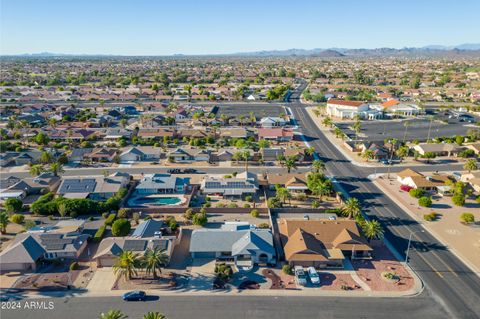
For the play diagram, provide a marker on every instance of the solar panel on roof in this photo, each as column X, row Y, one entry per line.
column 135, row 245
column 161, row 244
column 78, row 185
column 56, row 246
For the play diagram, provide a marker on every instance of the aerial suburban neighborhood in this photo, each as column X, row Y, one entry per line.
column 285, row 183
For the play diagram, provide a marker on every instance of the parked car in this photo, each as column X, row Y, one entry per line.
column 174, row 171
column 314, row 278
column 136, row 295
column 189, row 170
column 300, row 276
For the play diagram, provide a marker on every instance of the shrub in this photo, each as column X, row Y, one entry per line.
column 425, row 201
column 105, row 215
column 416, row 193
column 17, row 218
column 172, row 223
column 315, row 204
column 199, row 219
column 274, row 202
column 254, row 213
column 264, row 226
column 232, row 205
column 208, row 204
column 29, row 224
column 136, row 217
column 467, row 218
column 188, row 215
column 110, row 219
column 478, row 199
column 13, row 205
column 458, row 199
column 99, row 234
column 246, row 205
column 223, row 271
column 430, row 217
column 74, row 266
column 249, row 198
column 121, row 227
column 122, row 213
column 287, row 270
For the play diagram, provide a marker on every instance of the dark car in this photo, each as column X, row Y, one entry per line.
column 136, row 295
column 174, row 171
column 189, row 170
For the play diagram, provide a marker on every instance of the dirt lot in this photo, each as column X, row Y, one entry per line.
column 463, row 239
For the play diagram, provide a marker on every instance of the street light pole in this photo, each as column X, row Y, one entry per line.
column 409, row 242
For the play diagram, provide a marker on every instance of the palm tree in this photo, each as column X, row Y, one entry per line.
column 153, row 315
column 471, row 165
column 291, row 162
column 127, row 264
column 338, row 132
column 245, row 155
column 4, row 221
column 402, row 152
column 368, row 154
column 224, row 119
column 309, row 151
column 237, row 156
column 113, row 314
column 327, row 121
column 36, row 170
column 283, row 194
column 351, row 207
column 252, row 117
column 153, row 260
column 56, row 169
column 357, row 126
column 318, row 166
column 322, row 188
column 406, row 124
column 372, row 229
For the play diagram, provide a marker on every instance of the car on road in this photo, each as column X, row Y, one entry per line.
column 314, row 278
column 174, row 171
column 136, row 295
column 300, row 276
column 189, row 170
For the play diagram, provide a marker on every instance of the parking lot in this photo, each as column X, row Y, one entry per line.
column 260, row 110
column 417, row 129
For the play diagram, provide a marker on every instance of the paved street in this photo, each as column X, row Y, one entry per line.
column 449, row 280
column 237, row 307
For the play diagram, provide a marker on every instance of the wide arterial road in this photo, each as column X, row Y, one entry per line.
column 448, row 280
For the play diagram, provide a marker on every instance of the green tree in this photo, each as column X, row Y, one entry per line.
column 4, row 221
column 36, row 170
column 283, row 194
column 153, row 315
column 458, row 199
column 351, row 207
column 318, row 166
column 56, row 169
column 425, row 201
column 127, row 264
column 467, row 218
column 41, row 139
column 372, row 229
column 13, row 205
column 121, row 227
column 46, row 158
column 368, row 155
column 153, row 260
column 291, row 162
column 200, row 219
column 113, row 314
column 17, row 218
column 471, row 165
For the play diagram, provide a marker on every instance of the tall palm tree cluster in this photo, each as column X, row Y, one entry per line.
column 117, row 314
column 128, row 263
column 372, row 229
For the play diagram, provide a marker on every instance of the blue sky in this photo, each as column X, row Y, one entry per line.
column 147, row 27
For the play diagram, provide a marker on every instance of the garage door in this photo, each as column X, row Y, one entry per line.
column 107, row 261
column 203, row 255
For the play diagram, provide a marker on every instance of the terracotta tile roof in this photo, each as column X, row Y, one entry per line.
column 390, row 103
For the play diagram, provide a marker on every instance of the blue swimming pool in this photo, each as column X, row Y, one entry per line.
column 156, row 201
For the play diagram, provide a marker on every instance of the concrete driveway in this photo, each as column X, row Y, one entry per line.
column 102, row 280
column 202, row 274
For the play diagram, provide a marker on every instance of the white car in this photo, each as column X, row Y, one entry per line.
column 314, row 278
column 300, row 276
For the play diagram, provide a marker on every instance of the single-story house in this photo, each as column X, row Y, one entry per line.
column 94, row 187
column 322, row 243
column 140, row 153
column 243, row 184
column 28, row 249
column 189, row 155
column 275, row 134
column 438, row 149
column 240, row 243
column 271, row 121
column 296, row 182
column 162, row 184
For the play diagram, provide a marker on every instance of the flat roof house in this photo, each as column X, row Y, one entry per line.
column 345, row 109
column 240, row 243
column 321, row 243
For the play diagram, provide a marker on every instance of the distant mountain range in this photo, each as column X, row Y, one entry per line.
column 467, row 49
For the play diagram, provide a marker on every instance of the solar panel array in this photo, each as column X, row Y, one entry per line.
column 84, row 185
column 55, row 241
column 161, row 244
column 135, row 245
